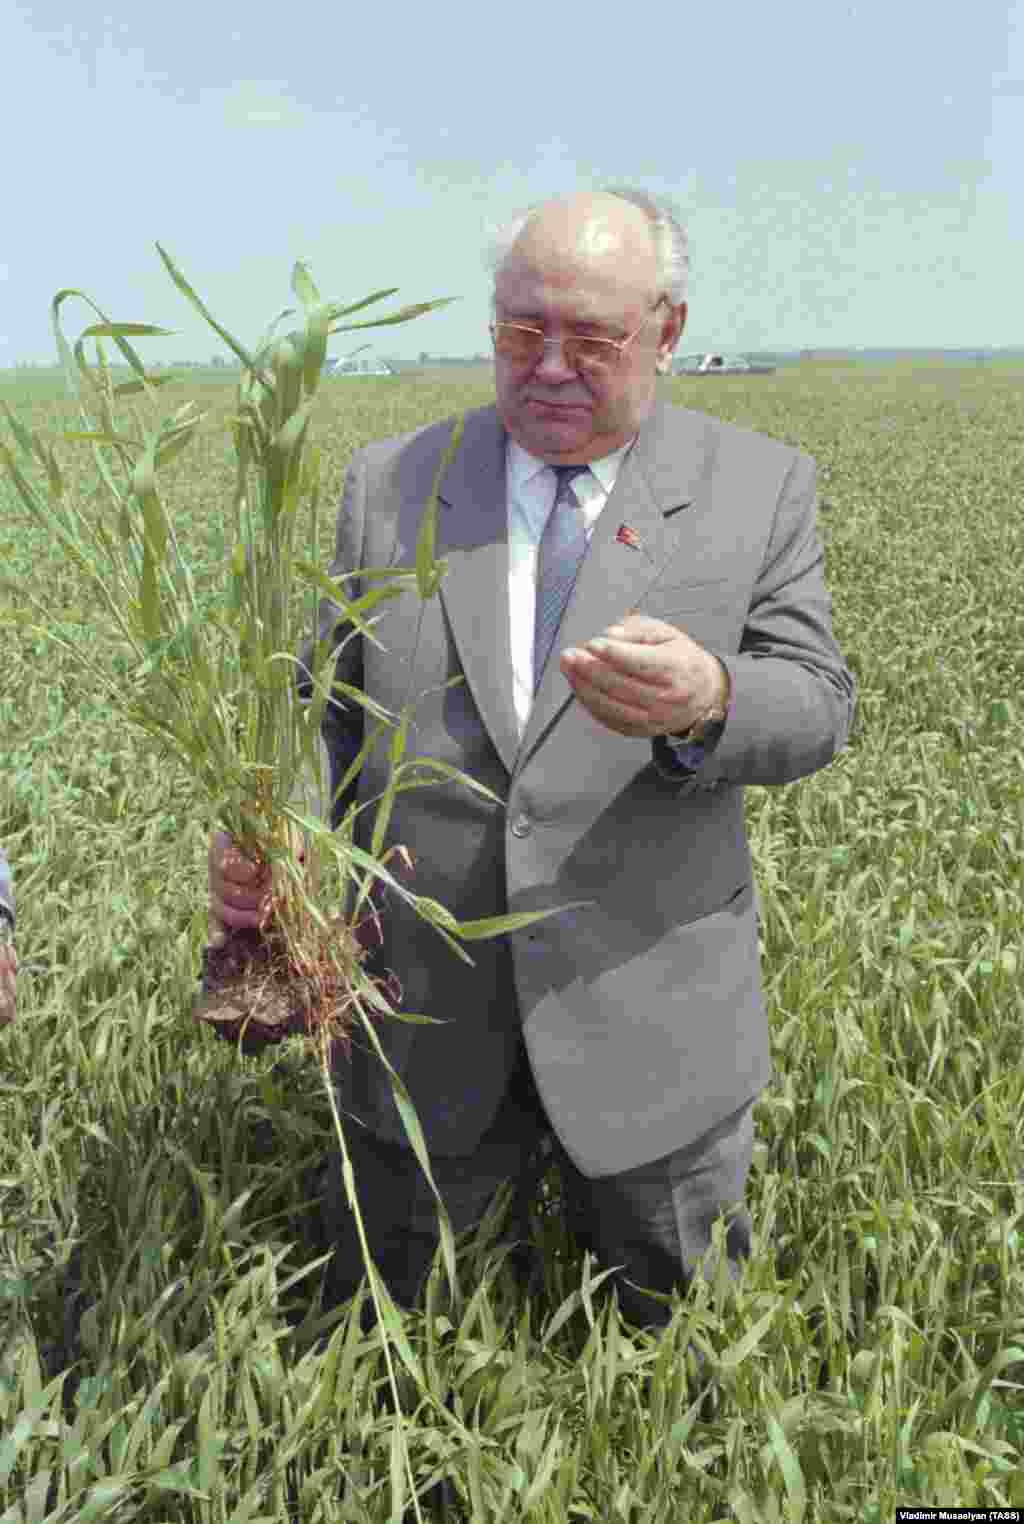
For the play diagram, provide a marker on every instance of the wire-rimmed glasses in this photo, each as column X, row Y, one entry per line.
column 523, row 345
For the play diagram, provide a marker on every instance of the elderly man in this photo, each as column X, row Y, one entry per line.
column 629, row 1034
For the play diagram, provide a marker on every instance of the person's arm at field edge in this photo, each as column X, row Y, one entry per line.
column 8, row 956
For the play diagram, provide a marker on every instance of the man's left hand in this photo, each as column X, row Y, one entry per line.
column 644, row 678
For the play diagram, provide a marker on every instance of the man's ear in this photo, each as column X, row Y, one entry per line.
column 677, row 315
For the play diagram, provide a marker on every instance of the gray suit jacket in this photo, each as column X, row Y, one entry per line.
column 643, row 1013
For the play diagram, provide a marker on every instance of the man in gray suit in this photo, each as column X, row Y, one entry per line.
column 630, row 1035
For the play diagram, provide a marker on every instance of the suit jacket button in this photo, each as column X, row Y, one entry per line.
column 521, row 826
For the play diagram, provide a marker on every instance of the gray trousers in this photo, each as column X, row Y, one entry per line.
column 654, row 1220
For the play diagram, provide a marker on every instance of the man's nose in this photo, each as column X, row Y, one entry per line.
column 553, row 360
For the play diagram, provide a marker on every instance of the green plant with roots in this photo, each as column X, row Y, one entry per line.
column 215, row 680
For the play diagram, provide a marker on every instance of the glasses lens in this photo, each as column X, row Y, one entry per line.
column 584, row 353
column 519, row 345
column 523, row 346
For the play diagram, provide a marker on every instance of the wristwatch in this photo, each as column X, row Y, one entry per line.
column 705, row 731
column 708, row 727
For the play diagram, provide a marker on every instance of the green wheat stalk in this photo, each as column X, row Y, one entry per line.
column 215, row 684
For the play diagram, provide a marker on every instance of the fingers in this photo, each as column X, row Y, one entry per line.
column 227, row 862
column 237, row 906
column 233, row 874
column 239, row 890
column 642, row 629
column 216, row 931
column 607, row 672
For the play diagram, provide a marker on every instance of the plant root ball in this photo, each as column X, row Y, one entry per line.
column 253, row 995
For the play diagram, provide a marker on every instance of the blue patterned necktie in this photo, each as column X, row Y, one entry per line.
column 561, row 550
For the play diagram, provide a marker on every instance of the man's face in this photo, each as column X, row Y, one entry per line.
column 596, row 287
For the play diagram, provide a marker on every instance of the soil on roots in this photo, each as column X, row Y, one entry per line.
column 253, row 994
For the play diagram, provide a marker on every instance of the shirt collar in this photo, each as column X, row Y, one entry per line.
column 523, row 466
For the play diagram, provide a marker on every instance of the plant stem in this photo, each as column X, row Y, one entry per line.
column 348, row 1175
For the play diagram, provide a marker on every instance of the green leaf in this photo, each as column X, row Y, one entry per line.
column 144, row 487
column 397, row 1472
column 433, row 911
column 792, row 1475
column 290, row 435
column 149, row 596
column 413, row 1131
column 67, row 359
column 53, row 473
column 333, row 310
column 427, row 577
column 108, row 329
column 413, row 1018
column 499, row 925
column 243, row 1514
column 176, row 1479
column 738, row 1352
column 352, row 613
column 131, row 388
column 331, row 586
column 174, row 438
column 303, row 286
column 173, row 445
column 404, row 315
column 399, row 739
column 97, row 436
column 26, row 491
column 187, row 291
column 387, row 803
column 272, row 327
column 25, row 1425
column 165, row 1445
column 316, row 349
column 26, row 439
column 446, row 770
column 103, row 1498
column 210, row 1442
column 136, row 330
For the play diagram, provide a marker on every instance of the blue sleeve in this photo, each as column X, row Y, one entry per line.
column 6, row 887
column 683, row 759
column 680, row 763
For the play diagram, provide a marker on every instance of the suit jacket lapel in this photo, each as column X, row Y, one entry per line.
column 658, row 485
column 472, row 533
column 659, row 480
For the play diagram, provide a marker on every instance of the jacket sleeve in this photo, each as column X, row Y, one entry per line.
column 342, row 725
column 793, row 696
column 6, row 887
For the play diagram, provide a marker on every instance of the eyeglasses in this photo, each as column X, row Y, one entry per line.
column 523, row 345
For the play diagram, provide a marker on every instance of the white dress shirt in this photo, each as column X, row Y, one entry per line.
column 530, row 490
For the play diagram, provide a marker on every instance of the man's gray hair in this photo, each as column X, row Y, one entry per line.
column 671, row 242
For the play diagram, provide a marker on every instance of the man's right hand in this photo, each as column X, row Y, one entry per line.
column 239, row 892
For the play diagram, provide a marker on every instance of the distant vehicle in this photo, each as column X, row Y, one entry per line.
column 346, row 366
column 721, row 365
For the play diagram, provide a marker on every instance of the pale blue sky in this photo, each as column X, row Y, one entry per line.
column 850, row 173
